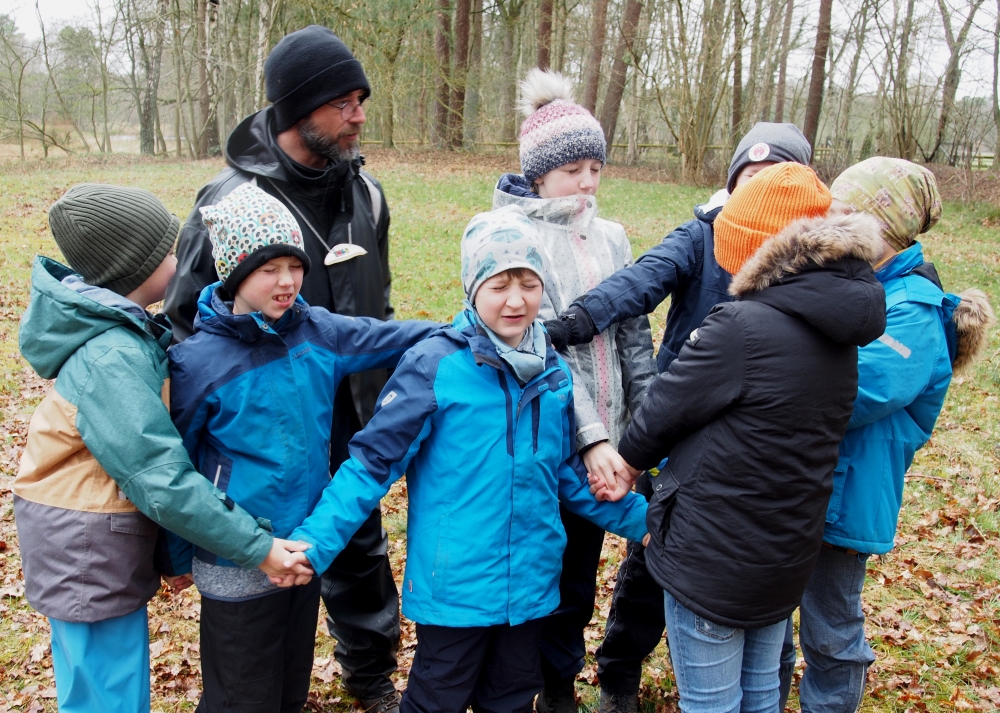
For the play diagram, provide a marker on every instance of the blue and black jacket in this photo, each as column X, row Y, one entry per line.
column 488, row 461
column 253, row 402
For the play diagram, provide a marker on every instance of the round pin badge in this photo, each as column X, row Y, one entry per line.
column 759, row 152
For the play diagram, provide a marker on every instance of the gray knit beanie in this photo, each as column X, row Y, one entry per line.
column 769, row 141
column 114, row 236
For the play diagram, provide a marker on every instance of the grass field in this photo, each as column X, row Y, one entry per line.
column 933, row 604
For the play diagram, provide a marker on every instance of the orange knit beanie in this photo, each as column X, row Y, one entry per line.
column 763, row 207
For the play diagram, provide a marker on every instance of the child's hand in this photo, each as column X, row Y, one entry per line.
column 286, row 565
column 178, row 583
column 611, row 478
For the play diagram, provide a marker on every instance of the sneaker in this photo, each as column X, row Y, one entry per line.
column 625, row 703
column 387, row 703
column 560, row 698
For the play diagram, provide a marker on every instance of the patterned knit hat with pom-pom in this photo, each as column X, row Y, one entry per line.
column 557, row 130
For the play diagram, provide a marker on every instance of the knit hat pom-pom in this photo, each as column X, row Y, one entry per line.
column 541, row 87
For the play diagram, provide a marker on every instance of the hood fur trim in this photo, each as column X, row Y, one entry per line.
column 973, row 318
column 812, row 240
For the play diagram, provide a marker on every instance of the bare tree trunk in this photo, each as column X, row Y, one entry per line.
column 616, row 83
column 786, row 32
column 510, row 15
column 389, row 119
column 736, row 126
column 265, row 20
column 996, row 89
column 55, row 87
column 545, row 33
column 953, row 72
column 592, row 74
column 818, row 77
column 463, row 10
column 474, row 80
column 442, row 51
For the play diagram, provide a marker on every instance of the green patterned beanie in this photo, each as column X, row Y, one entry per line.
column 247, row 228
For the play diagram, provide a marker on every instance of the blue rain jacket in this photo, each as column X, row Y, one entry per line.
column 903, row 377
column 682, row 267
column 487, row 462
column 253, row 402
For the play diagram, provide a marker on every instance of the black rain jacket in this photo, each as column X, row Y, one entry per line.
column 751, row 414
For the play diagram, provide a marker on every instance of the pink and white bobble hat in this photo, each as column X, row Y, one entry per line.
column 557, row 130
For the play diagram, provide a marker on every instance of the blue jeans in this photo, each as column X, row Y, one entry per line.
column 832, row 636
column 720, row 669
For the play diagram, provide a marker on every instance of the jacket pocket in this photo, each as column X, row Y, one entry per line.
column 837, row 496
column 133, row 523
column 661, row 505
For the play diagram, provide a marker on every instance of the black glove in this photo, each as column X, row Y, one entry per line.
column 573, row 327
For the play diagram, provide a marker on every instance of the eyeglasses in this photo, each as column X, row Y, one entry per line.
column 348, row 107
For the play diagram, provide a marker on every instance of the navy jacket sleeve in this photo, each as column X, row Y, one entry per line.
column 704, row 380
column 638, row 289
column 380, row 454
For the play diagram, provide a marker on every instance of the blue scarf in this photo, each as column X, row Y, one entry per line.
column 527, row 360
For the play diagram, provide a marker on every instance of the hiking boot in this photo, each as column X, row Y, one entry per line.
column 558, row 698
column 386, row 703
column 624, row 703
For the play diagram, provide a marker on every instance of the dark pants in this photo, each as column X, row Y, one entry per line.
column 563, row 647
column 635, row 622
column 257, row 655
column 494, row 669
column 358, row 589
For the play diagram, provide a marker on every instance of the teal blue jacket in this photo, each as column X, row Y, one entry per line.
column 488, row 462
column 903, row 378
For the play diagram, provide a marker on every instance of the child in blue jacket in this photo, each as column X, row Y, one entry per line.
column 252, row 395
column 903, row 378
column 480, row 417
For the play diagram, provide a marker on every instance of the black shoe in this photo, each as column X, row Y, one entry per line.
column 560, row 698
column 387, row 703
column 626, row 703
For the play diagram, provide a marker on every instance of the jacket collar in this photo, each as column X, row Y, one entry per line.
column 574, row 212
column 485, row 353
column 902, row 263
column 215, row 315
column 810, row 242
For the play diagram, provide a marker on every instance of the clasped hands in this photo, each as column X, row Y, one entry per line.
column 286, row 565
column 611, row 478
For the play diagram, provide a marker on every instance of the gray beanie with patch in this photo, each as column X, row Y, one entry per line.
column 113, row 236
column 768, row 141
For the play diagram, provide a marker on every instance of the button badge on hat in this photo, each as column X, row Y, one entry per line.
column 759, row 152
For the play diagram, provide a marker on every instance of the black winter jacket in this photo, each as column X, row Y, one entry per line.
column 331, row 200
column 751, row 414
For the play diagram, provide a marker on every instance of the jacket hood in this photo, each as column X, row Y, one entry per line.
column 575, row 212
column 215, row 315
column 65, row 313
column 820, row 270
column 709, row 210
column 973, row 317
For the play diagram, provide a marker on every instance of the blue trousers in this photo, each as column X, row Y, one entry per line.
column 832, row 636
column 720, row 669
column 103, row 666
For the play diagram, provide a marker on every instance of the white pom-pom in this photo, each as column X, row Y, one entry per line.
column 541, row 87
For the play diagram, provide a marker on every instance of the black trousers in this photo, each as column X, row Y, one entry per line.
column 257, row 655
column 358, row 589
column 494, row 669
column 635, row 622
column 563, row 646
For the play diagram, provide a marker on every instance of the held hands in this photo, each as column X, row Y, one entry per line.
column 178, row 583
column 286, row 564
column 611, row 478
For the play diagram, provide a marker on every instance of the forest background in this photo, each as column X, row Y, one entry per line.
column 673, row 82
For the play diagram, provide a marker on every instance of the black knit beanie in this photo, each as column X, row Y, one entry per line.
column 307, row 69
column 115, row 237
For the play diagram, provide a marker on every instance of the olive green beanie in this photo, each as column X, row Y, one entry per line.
column 114, row 236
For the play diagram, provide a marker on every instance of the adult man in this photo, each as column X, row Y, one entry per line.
column 303, row 150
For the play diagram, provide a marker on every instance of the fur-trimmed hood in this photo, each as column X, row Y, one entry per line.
column 973, row 318
column 820, row 270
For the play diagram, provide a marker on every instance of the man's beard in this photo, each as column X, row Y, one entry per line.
column 322, row 145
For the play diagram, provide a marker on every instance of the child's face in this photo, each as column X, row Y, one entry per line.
column 508, row 304
column 154, row 288
column 751, row 170
column 270, row 289
column 571, row 179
